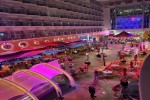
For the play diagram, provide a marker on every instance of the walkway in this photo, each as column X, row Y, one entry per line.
column 104, row 88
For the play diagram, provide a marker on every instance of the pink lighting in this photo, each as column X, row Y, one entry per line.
column 34, row 81
column 54, row 63
column 42, row 69
column 104, row 32
column 51, row 70
column 133, row 19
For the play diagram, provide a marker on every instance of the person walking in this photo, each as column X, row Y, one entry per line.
column 124, row 71
column 135, row 57
column 96, row 75
column 92, row 91
column 124, row 86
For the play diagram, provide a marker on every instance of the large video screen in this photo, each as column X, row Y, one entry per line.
column 129, row 22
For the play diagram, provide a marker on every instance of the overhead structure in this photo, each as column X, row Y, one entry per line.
column 11, row 90
column 32, row 81
column 50, row 71
column 124, row 34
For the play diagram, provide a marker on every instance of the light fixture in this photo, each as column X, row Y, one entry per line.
column 23, row 44
column 46, row 40
column 36, row 42
column 59, row 39
column 7, row 46
column 55, row 40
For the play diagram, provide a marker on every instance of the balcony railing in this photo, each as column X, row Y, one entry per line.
column 16, row 35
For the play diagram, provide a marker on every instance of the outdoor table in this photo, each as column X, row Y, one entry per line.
column 114, row 65
column 131, row 74
column 140, row 53
column 136, row 66
column 122, row 61
column 107, row 72
column 102, row 68
column 127, row 52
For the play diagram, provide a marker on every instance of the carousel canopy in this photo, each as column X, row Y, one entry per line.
column 124, row 34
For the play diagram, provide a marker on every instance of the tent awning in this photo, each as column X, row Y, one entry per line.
column 124, row 34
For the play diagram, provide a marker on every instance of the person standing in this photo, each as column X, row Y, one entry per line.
column 124, row 71
column 87, row 62
column 81, row 69
column 131, row 66
column 86, row 67
column 122, row 56
column 98, row 56
column 62, row 65
column 96, row 75
column 87, row 55
column 124, row 85
column 92, row 91
column 135, row 57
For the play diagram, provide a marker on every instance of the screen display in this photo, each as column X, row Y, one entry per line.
column 129, row 22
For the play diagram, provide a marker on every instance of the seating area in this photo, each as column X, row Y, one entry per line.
column 27, row 60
